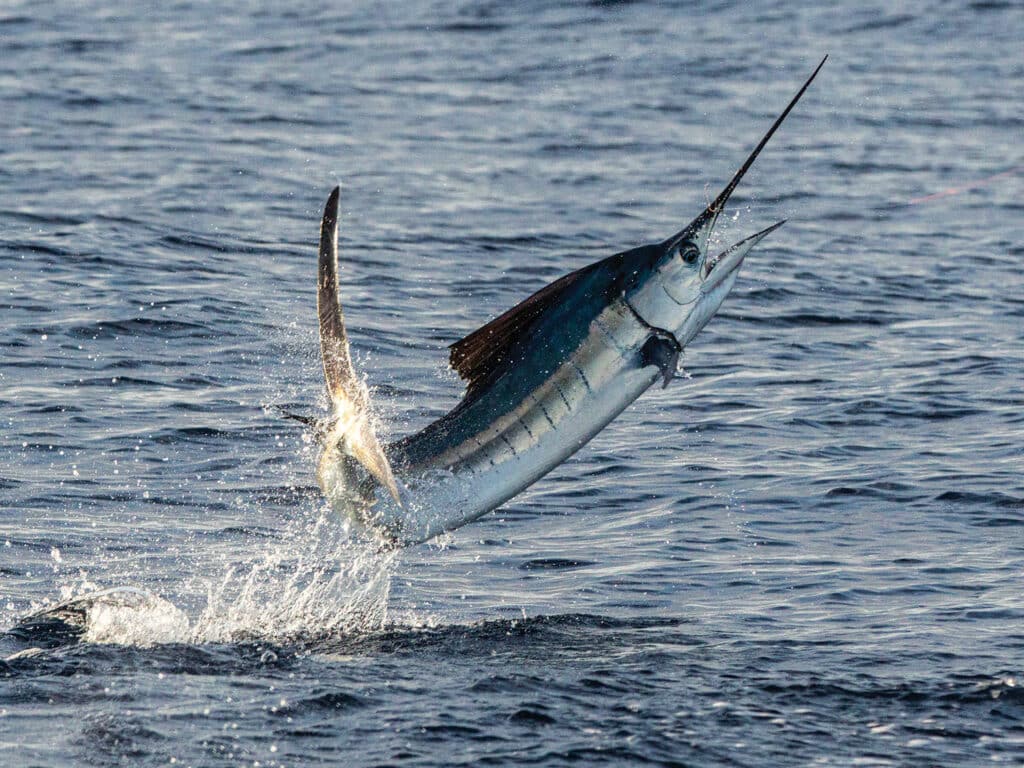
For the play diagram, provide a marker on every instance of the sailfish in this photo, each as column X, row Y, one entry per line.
column 541, row 379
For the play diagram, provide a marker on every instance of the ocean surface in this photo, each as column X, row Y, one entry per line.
column 808, row 550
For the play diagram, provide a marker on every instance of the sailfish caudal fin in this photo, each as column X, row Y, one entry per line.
column 350, row 426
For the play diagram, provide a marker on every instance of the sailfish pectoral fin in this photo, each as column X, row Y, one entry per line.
column 661, row 350
column 350, row 400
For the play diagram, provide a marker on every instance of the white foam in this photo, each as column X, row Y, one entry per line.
column 319, row 583
column 338, row 587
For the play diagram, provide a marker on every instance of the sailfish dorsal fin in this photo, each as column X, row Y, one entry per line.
column 484, row 352
column 351, row 426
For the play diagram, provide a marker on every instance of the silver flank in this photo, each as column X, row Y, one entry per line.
column 576, row 402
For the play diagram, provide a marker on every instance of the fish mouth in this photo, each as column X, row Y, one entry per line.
column 700, row 229
column 716, row 269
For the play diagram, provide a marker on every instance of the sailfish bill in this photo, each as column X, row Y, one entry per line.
column 541, row 379
column 709, row 217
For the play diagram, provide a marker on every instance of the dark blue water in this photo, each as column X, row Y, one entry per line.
column 807, row 550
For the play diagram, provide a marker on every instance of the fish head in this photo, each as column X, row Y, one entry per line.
column 686, row 283
column 682, row 284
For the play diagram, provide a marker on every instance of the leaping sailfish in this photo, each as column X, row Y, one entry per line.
column 541, row 379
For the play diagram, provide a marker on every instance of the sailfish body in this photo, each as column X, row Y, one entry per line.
column 542, row 379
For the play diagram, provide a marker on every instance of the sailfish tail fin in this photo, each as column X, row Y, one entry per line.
column 351, row 427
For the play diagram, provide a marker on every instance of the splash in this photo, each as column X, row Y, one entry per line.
column 318, row 584
column 121, row 615
column 339, row 587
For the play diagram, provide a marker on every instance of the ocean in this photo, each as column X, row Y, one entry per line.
column 807, row 550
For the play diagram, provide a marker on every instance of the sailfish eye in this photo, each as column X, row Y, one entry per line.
column 689, row 253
